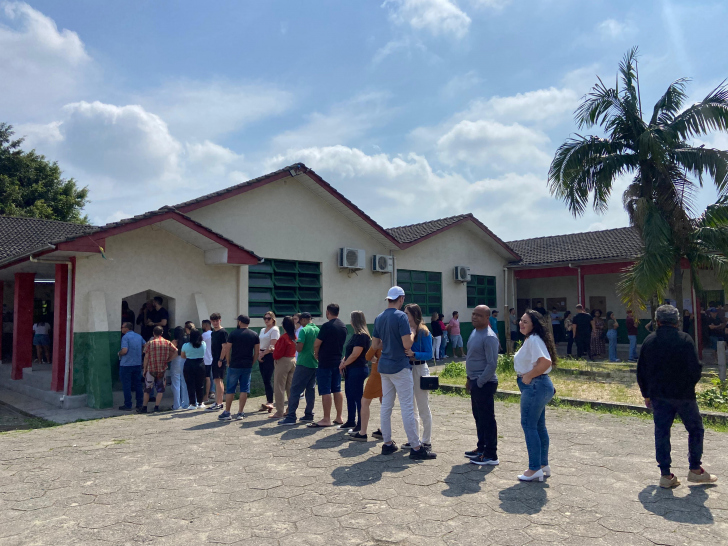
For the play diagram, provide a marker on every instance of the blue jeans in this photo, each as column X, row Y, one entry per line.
column 180, row 396
column 534, row 398
column 304, row 379
column 131, row 377
column 354, row 390
column 663, row 413
column 632, row 347
column 612, row 337
column 237, row 376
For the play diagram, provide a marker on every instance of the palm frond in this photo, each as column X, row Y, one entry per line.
column 699, row 161
column 629, row 75
column 710, row 114
column 670, row 103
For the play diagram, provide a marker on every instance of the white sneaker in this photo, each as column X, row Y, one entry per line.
column 538, row 476
column 546, row 471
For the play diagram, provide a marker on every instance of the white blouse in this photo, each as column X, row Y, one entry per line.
column 532, row 349
column 41, row 329
column 268, row 338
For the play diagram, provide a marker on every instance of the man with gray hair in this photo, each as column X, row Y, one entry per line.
column 667, row 372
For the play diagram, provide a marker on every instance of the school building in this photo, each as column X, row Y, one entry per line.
column 288, row 242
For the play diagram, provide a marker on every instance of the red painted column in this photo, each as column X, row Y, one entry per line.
column 23, row 323
column 60, row 316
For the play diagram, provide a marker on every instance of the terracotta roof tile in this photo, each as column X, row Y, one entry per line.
column 413, row 232
column 20, row 236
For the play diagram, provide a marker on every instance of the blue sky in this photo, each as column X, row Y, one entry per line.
column 413, row 109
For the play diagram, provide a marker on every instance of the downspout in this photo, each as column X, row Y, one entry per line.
column 394, row 269
column 506, row 314
column 578, row 283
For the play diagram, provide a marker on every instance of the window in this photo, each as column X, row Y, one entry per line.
column 285, row 287
column 423, row 288
column 481, row 291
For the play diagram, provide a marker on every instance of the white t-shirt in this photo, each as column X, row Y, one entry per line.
column 41, row 329
column 532, row 349
column 207, row 338
column 268, row 338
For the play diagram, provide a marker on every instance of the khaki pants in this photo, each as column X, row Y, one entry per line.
column 282, row 378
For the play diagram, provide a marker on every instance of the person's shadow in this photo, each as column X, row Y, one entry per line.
column 524, row 498
column 688, row 509
column 465, row 479
column 368, row 472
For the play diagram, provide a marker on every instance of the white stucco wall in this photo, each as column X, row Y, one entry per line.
column 153, row 259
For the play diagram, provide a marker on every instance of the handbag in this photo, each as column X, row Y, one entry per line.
column 429, row 382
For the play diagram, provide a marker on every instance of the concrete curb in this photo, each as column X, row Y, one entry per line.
column 709, row 416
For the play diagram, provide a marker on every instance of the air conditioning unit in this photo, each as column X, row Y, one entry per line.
column 381, row 263
column 352, row 258
column 462, row 273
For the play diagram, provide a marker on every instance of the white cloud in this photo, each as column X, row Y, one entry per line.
column 41, row 67
column 210, row 109
column 461, row 84
column 549, row 106
column 613, row 29
column 438, row 17
column 493, row 4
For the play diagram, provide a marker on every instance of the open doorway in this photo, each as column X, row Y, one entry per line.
column 140, row 307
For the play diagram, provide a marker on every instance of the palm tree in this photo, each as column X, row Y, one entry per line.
column 666, row 172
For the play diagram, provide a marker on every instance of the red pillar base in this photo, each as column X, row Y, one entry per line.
column 60, row 316
column 23, row 323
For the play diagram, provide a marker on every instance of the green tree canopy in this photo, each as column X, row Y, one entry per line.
column 32, row 186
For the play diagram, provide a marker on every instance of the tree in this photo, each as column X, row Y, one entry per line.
column 32, row 186
column 666, row 172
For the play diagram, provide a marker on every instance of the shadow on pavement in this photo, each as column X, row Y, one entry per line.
column 370, row 471
column 465, row 479
column 209, row 425
column 524, row 498
column 688, row 509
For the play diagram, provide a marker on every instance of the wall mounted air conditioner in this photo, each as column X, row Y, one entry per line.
column 352, row 258
column 381, row 263
column 462, row 273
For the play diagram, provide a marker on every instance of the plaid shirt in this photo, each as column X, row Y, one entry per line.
column 157, row 352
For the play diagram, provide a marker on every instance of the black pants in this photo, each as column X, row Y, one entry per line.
column 583, row 347
column 569, row 342
column 267, row 368
column 481, row 400
column 194, row 372
column 664, row 411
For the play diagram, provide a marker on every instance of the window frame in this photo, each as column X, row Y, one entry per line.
column 482, row 290
column 429, row 299
column 287, row 278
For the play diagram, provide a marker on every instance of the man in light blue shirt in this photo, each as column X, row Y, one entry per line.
column 130, row 365
column 393, row 335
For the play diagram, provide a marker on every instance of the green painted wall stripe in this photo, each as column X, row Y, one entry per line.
column 94, row 358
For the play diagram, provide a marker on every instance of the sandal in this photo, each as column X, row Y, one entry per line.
column 316, row 425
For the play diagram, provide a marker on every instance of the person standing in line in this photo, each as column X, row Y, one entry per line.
column 612, row 327
column 328, row 348
column 715, row 327
column 219, row 337
column 581, row 326
column 143, row 320
column 159, row 316
column 569, row 332
column 268, row 335
column 180, row 396
column 354, row 369
column 130, row 366
column 556, row 325
column 493, row 322
column 127, row 315
column 393, row 336
column 482, row 382
column 632, row 335
column 42, row 340
column 597, row 339
column 687, row 322
column 513, row 321
column 539, row 308
column 667, row 372
column 193, row 351
column 436, row 335
column 533, row 362
column 158, row 352
column 418, row 354
column 284, row 357
column 243, row 349
column 207, row 359
column 443, row 343
column 453, row 331
column 372, row 390
column 304, row 375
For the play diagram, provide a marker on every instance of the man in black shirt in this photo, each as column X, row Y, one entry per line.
column 243, row 346
column 328, row 349
column 667, row 372
column 218, row 338
column 159, row 316
column 540, row 308
column 715, row 328
column 581, row 327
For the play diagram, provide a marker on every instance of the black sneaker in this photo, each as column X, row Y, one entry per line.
column 143, row 409
column 422, row 454
column 346, row 426
column 359, row 437
column 306, row 418
column 389, row 449
column 378, row 433
column 483, row 460
column 156, row 409
column 124, row 408
column 472, row 454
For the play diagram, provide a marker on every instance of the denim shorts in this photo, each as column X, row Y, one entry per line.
column 329, row 380
column 456, row 340
column 154, row 382
column 238, row 375
column 41, row 339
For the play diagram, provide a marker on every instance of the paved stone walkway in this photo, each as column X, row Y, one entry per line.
column 184, row 478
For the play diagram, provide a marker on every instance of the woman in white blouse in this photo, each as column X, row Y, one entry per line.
column 533, row 362
column 268, row 335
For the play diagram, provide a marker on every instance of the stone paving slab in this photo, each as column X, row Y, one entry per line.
column 185, row 478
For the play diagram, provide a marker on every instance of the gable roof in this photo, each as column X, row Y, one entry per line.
column 412, row 234
column 609, row 244
column 20, row 236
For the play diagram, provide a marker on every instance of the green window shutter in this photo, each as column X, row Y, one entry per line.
column 423, row 288
column 482, row 291
column 284, row 287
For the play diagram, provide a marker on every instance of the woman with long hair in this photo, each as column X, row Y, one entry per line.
column 533, row 362
column 436, row 334
column 597, row 339
column 284, row 357
column 194, row 369
column 420, row 352
column 569, row 334
column 372, row 390
column 612, row 327
column 354, row 367
column 268, row 335
column 180, row 396
column 42, row 340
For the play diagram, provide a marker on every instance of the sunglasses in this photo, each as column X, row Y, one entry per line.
column 267, row 318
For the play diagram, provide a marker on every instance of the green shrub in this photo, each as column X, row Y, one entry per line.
column 715, row 397
column 454, row 369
